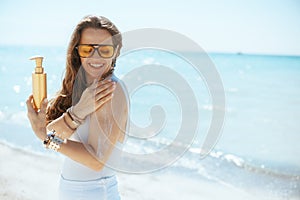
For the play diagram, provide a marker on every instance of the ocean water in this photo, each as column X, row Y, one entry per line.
column 258, row 150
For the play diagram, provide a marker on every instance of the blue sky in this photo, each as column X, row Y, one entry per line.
column 250, row 26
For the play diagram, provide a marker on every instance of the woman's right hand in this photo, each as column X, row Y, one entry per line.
column 94, row 97
column 37, row 118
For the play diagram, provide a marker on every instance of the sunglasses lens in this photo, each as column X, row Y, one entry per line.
column 106, row 51
column 85, row 50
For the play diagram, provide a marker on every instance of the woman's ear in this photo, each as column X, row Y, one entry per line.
column 113, row 63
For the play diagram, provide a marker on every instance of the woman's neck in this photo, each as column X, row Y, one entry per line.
column 90, row 79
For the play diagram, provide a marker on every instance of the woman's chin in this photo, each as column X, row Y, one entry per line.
column 92, row 76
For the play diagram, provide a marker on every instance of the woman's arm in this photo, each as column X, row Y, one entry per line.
column 113, row 111
column 87, row 154
column 103, row 140
column 81, row 153
column 77, row 151
column 108, row 125
column 92, row 99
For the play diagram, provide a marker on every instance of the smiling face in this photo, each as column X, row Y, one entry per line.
column 96, row 66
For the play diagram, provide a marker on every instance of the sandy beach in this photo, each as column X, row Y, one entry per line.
column 27, row 175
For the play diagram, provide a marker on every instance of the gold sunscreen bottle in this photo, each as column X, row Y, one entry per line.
column 39, row 82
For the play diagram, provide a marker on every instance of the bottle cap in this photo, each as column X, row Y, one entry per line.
column 38, row 63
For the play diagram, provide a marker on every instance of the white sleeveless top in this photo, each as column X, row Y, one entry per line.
column 76, row 171
column 73, row 170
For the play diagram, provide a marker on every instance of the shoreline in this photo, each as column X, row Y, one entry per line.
column 28, row 175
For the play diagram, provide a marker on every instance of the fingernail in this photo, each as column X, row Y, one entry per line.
column 45, row 101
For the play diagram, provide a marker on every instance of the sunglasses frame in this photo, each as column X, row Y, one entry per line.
column 96, row 47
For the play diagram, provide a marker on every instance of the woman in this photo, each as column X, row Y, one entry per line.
column 87, row 118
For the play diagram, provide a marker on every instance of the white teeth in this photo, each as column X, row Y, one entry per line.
column 96, row 65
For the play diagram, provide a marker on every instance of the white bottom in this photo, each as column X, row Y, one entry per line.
column 105, row 188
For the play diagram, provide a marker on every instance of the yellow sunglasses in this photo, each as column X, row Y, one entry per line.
column 87, row 50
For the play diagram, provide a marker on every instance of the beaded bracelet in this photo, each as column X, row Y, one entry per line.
column 53, row 142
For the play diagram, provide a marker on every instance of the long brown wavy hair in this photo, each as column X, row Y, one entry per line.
column 71, row 90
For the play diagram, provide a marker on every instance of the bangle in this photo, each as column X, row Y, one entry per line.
column 72, row 119
column 75, row 119
column 53, row 142
column 69, row 115
column 72, row 129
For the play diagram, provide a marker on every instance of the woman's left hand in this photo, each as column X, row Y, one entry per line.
column 37, row 118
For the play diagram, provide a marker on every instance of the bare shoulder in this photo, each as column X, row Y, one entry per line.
column 120, row 99
column 118, row 105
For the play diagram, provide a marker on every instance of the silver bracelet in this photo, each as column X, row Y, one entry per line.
column 53, row 142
